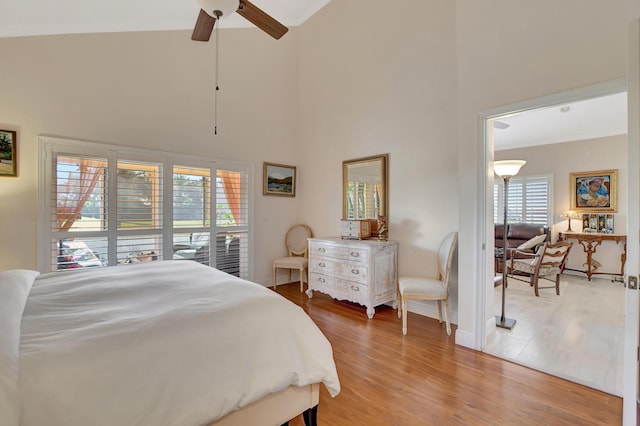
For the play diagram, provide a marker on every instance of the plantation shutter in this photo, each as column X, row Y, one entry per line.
column 529, row 200
column 232, row 220
column 103, row 205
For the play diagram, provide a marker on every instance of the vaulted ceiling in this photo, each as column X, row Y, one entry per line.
column 41, row 17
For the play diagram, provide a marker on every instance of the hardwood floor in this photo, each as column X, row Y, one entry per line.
column 423, row 378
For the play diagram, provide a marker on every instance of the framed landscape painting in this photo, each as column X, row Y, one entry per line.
column 8, row 163
column 279, row 179
column 594, row 192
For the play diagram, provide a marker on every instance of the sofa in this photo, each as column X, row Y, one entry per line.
column 517, row 235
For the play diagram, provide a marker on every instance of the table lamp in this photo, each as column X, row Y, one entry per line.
column 568, row 215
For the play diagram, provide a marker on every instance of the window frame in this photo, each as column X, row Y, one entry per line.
column 51, row 146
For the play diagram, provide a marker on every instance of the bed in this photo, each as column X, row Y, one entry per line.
column 155, row 343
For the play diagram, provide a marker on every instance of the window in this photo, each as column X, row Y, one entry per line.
column 529, row 200
column 157, row 207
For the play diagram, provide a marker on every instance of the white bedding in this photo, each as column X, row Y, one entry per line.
column 159, row 343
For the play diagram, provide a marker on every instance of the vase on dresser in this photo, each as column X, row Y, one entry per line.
column 360, row 271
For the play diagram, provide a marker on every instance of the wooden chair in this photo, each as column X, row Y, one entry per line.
column 549, row 261
column 418, row 288
column 297, row 257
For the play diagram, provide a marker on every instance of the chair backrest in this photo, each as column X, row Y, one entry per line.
column 445, row 257
column 554, row 255
column 296, row 240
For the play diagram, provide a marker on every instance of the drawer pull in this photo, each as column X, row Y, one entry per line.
column 321, row 250
column 355, row 254
column 321, row 279
column 355, row 271
column 321, row 264
column 355, row 288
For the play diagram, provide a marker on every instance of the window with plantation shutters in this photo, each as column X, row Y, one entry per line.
column 529, row 200
column 106, row 206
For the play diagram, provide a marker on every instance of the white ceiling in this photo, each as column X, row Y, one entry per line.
column 43, row 17
column 588, row 119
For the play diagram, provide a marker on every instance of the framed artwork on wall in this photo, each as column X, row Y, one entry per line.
column 594, row 192
column 8, row 150
column 279, row 179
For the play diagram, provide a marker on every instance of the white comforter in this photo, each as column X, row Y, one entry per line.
column 159, row 343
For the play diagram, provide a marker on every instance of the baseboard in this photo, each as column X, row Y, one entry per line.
column 466, row 339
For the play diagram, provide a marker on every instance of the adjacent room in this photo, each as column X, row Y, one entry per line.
column 132, row 134
column 577, row 334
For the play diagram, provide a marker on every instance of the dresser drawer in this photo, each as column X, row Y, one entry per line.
column 350, row 254
column 339, row 289
column 340, row 269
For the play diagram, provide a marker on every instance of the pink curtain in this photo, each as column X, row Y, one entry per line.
column 231, row 183
column 78, row 192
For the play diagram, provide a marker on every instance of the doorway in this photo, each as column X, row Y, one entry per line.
column 552, row 352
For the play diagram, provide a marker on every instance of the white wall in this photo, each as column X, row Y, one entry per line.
column 559, row 160
column 151, row 90
column 510, row 52
column 372, row 82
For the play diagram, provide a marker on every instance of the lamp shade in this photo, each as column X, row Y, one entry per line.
column 508, row 168
column 570, row 214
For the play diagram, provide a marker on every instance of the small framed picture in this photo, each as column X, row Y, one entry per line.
column 608, row 228
column 594, row 191
column 279, row 179
column 597, row 222
column 8, row 153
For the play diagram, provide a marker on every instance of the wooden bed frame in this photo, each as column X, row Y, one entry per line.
column 277, row 408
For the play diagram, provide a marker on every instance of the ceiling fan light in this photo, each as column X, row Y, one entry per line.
column 227, row 7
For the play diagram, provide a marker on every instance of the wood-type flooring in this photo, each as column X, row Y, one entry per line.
column 423, row 378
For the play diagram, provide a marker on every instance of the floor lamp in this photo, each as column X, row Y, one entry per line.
column 505, row 169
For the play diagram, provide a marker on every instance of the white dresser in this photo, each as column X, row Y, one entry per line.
column 360, row 271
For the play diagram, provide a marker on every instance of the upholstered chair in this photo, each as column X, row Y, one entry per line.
column 297, row 257
column 424, row 288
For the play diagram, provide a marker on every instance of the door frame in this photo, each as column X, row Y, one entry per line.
column 485, row 306
column 632, row 310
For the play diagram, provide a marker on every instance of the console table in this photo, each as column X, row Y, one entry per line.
column 360, row 271
column 590, row 243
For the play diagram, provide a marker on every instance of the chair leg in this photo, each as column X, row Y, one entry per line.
column 535, row 285
column 289, row 270
column 439, row 311
column 446, row 315
column 301, row 280
column 274, row 277
column 558, row 284
column 404, row 317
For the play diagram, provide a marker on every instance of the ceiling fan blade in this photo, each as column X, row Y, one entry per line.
column 261, row 20
column 204, row 27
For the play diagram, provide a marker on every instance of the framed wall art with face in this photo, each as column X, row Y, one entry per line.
column 594, row 192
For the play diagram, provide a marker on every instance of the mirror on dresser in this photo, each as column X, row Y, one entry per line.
column 364, row 187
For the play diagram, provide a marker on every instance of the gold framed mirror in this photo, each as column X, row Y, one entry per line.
column 365, row 187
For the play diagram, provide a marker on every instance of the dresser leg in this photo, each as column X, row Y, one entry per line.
column 371, row 312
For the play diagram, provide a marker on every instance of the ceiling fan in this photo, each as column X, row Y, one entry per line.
column 212, row 10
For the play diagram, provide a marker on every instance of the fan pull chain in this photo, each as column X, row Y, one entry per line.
column 215, row 97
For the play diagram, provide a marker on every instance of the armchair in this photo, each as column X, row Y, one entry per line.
column 548, row 261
